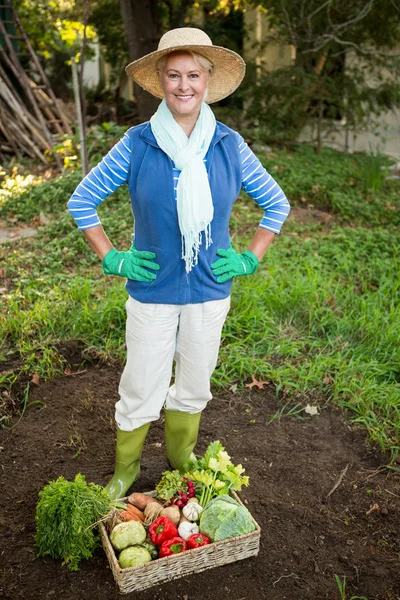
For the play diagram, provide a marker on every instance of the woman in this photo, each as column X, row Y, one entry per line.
column 184, row 171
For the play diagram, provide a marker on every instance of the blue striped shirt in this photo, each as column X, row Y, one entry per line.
column 112, row 172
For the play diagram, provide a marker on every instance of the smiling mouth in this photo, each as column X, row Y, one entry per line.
column 181, row 97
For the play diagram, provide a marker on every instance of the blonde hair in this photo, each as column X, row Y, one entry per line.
column 201, row 61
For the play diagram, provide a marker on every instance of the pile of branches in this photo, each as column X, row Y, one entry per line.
column 20, row 131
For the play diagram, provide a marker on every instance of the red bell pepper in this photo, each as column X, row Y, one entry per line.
column 161, row 530
column 196, row 540
column 173, row 546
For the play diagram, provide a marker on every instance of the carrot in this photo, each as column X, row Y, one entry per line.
column 126, row 515
column 140, row 500
column 135, row 511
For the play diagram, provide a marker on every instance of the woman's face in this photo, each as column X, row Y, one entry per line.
column 184, row 85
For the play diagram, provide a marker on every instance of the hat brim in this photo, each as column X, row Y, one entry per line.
column 229, row 70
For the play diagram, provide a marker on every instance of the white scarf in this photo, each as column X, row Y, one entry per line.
column 194, row 201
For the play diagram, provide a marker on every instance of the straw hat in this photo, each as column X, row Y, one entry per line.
column 229, row 67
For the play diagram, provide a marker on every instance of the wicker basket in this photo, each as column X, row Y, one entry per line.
column 191, row 561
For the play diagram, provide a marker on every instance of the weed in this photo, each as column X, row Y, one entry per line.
column 74, row 442
column 87, row 401
column 342, row 589
column 294, row 411
column 373, row 170
column 25, row 405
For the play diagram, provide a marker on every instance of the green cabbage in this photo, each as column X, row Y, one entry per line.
column 223, row 518
column 133, row 557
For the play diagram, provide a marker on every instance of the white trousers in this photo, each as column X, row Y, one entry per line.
column 155, row 335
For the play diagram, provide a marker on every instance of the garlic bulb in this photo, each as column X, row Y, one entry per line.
column 186, row 529
column 192, row 511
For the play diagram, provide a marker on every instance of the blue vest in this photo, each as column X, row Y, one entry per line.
column 151, row 187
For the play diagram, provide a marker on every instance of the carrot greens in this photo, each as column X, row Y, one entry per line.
column 65, row 516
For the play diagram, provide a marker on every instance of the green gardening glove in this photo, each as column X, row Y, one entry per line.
column 132, row 264
column 234, row 265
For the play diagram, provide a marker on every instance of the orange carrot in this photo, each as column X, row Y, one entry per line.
column 135, row 511
column 128, row 516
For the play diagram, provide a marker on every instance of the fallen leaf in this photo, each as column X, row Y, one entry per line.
column 256, row 382
column 311, row 410
column 233, row 388
column 35, row 379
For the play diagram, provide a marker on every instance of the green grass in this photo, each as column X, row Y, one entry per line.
column 320, row 318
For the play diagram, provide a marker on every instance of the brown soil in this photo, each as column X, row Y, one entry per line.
column 292, row 464
column 310, row 215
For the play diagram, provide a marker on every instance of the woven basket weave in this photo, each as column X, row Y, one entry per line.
column 191, row 561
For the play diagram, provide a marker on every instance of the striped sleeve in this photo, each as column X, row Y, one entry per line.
column 105, row 178
column 264, row 190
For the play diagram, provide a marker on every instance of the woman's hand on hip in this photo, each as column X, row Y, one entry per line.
column 133, row 264
column 232, row 264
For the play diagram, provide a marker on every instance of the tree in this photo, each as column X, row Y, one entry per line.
column 346, row 63
column 142, row 27
column 55, row 29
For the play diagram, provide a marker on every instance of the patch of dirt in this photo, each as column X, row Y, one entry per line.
column 14, row 234
column 293, row 464
column 72, row 356
column 311, row 215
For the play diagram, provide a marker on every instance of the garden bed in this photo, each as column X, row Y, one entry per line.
column 306, row 539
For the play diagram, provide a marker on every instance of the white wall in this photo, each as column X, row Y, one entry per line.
column 91, row 71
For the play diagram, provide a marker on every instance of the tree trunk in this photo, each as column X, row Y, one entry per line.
column 317, row 70
column 143, row 33
column 319, row 126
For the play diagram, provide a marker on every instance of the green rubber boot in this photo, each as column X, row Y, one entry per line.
column 127, row 461
column 181, row 431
